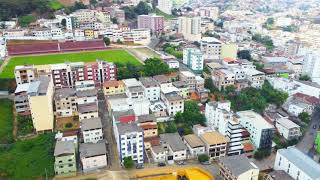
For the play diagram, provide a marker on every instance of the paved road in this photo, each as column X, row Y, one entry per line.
column 113, row 159
column 307, row 141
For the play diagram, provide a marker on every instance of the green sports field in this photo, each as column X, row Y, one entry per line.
column 117, row 56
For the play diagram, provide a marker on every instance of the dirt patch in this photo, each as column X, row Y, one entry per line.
column 67, row 123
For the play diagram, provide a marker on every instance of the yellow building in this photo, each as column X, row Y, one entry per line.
column 40, row 101
column 113, row 87
column 216, row 144
column 229, row 51
column 91, row 34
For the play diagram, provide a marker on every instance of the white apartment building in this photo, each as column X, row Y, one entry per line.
column 297, row 107
column 137, row 36
column 218, row 114
column 211, row 47
column 151, row 87
column 176, row 149
column 297, row 164
column 311, row 65
column 173, row 101
column 89, row 110
column 190, row 28
column 93, row 156
column 91, row 130
column 261, row 132
column 288, row 129
column 193, row 58
column 165, row 6
column 295, row 86
column 129, row 138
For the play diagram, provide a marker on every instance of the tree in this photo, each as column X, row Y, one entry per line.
column 203, row 158
column 261, row 153
column 171, row 127
column 304, row 78
column 114, row 20
column 190, row 116
column 24, row 21
column 142, row 8
column 128, row 162
column 155, row 66
column 106, row 41
column 119, row 41
column 244, row 54
column 64, row 22
column 304, row 117
column 208, row 83
column 93, row 2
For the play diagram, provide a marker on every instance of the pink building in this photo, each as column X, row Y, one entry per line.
column 153, row 22
column 66, row 74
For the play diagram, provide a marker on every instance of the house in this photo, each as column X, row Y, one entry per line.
column 129, row 138
column 194, row 144
column 223, row 78
column 173, row 64
column 183, row 88
column 163, row 81
column 93, row 156
column 199, row 129
column 123, row 116
column 238, row 168
column 149, row 125
column 152, row 88
column 296, row 107
column 216, row 144
column 189, row 78
column 84, row 85
column 261, row 131
column 21, row 101
column 256, row 78
column 118, row 102
column 296, row 164
column 65, row 102
column 158, row 109
column 41, row 106
column 173, row 102
column 68, row 136
column 25, row 74
column 288, row 129
column 65, row 158
column 158, row 153
column 91, row 130
column 172, row 142
column 113, row 87
column 87, row 96
column 279, row 174
column 89, row 110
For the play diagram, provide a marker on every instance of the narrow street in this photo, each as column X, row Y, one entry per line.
column 307, row 142
column 113, row 159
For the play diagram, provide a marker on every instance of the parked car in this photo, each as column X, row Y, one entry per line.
column 181, row 162
column 139, row 166
column 205, row 163
column 314, row 126
column 160, row 164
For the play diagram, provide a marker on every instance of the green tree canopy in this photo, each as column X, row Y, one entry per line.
column 128, row 162
column 304, row 78
column 106, row 41
column 24, row 21
column 203, row 158
column 155, row 66
column 304, row 116
column 244, row 54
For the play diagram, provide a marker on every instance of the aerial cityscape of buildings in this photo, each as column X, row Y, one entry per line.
column 136, row 90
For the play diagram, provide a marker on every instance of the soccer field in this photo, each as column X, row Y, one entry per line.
column 117, row 56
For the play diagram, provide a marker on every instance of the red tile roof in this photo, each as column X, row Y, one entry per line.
column 154, row 141
column 248, row 147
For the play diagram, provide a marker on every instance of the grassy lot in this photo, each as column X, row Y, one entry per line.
column 117, row 56
column 55, row 5
column 6, row 121
column 29, row 159
column 165, row 15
